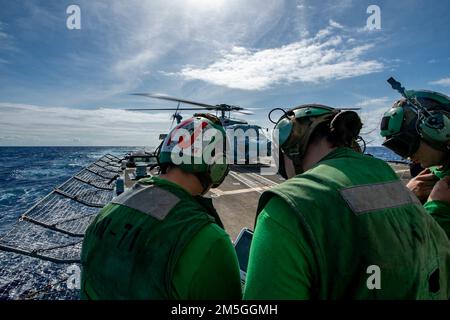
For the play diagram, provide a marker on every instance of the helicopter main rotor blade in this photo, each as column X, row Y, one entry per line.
column 164, row 97
column 165, row 109
column 243, row 112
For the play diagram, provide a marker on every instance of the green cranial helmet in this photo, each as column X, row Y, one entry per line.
column 422, row 114
column 197, row 145
column 296, row 126
column 294, row 131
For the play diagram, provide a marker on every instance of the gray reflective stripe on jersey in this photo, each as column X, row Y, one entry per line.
column 375, row 197
column 150, row 200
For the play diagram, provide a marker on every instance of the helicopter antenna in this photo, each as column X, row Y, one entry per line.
column 397, row 86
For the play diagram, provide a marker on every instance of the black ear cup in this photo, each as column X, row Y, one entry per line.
column 346, row 125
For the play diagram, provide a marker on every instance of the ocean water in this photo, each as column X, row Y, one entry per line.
column 29, row 173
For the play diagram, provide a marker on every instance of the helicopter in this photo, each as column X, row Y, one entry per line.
column 222, row 108
column 244, row 144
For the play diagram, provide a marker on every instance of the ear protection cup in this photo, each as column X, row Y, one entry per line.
column 435, row 128
column 217, row 174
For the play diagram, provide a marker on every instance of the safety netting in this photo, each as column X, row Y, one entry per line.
column 40, row 254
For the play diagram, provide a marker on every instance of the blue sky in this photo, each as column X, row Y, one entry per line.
column 58, row 86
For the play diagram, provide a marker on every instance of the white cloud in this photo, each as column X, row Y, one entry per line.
column 36, row 125
column 442, row 82
column 326, row 56
column 367, row 104
column 135, row 62
column 303, row 6
column 132, row 40
column 371, row 113
column 6, row 40
column 335, row 24
column 145, row 31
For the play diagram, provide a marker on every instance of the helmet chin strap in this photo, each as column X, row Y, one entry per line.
column 205, row 181
column 298, row 164
column 281, row 165
column 157, row 153
column 447, row 153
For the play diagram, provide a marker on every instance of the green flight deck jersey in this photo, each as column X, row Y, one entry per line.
column 346, row 229
column 440, row 210
column 157, row 241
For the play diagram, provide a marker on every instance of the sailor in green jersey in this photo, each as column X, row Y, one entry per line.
column 343, row 226
column 418, row 127
column 162, row 239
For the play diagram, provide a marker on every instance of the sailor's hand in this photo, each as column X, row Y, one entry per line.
column 422, row 184
column 441, row 191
